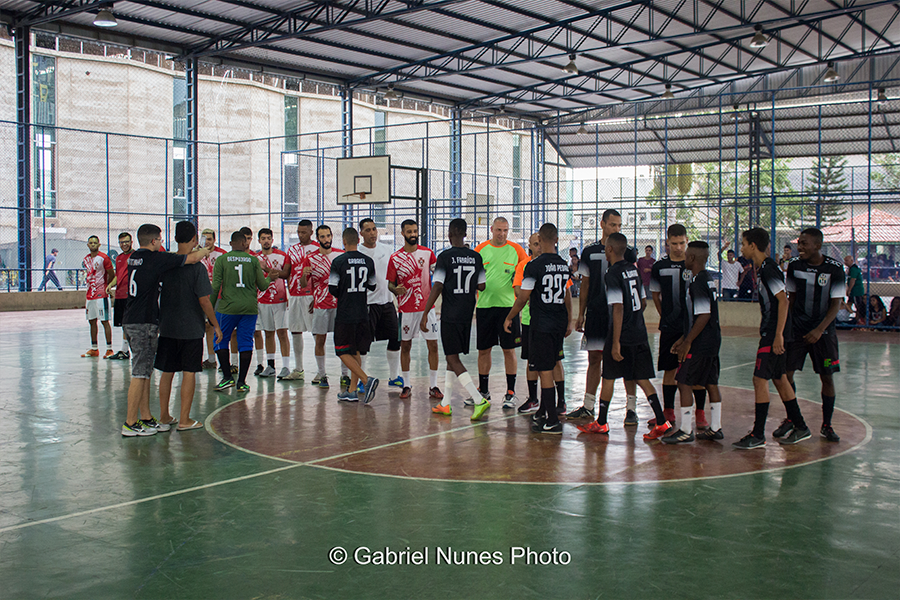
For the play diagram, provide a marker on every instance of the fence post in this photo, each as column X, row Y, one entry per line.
column 347, row 142
column 23, row 153
column 193, row 108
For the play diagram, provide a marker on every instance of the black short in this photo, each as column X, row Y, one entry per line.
column 119, row 311
column 666, row 361
column 636, row 363
column 545, row 350
column 824, row 354
column 698, row 370
column 175, row 356
column 455, row 337
column 350, row 338
column 526, row 344
column 383, row 324
column 768, row 364
column 596, row 324
column 490, row 332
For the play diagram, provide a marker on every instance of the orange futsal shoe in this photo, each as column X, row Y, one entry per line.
column 658, row 431
column 440, row 409
column 109, row 353
column 594, row 427
column 91, row 353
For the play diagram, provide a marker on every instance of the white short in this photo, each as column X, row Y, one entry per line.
column 323, row 320
column 97, row 309
column 299, row 318
column 409, row 326
column 272, row 317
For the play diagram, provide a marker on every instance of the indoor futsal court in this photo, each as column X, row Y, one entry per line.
column 724, row 159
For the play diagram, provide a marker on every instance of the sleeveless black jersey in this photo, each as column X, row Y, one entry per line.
column 770, row 281
column 701, row 299
column 669, row 278
column 460, row 271
column 351, row 277
column 546, row 276
column 812, row 288
column 623, row 286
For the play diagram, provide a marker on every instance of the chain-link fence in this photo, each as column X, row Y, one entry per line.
column 109, row 151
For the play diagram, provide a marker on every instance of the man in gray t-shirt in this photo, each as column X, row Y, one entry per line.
column 184, row 306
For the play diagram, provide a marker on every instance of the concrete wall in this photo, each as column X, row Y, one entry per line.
column 42, row 300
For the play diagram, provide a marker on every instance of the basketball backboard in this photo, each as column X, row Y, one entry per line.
column 364, row 180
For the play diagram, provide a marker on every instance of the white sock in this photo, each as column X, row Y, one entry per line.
column 715, row 415
column 466, row 380
column 286, row 362
column 432, row 379
column 362, row 361
column 406, row 379
column 345, row 371
column 630, row 402
column 449, row 376
column 234, row 359
column 393, row 358
column 588, row 401
column 212, row 355
column 687, row 419
column 298, row 351
column 95, row 346
column 260, row 356
column 125, row 348
column 320, row 363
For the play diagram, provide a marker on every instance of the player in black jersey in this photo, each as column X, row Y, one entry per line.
column 458, row 276
column 350, row 279
column 593, row 318
column 550, row 303
column 815, row 286
column 668, row 283
column 627, row 352
column 697, row 350
column 774, row 332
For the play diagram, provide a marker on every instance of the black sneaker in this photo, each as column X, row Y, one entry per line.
column 555, row 428
column 581, row 413
column 783, row 429
column 679, row 437
column 796, row 435
column 631, row 419
column 259, row 369
column 528, row 407
column 828, row 433
column 749, row 442
column 561, row 408
column 537, row 421
column 709, row 434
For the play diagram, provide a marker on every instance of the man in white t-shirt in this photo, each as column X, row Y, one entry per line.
column 383, row 321
column 731, row 270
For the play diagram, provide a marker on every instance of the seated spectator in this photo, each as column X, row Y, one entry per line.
column 894, row 313
column 877, row 311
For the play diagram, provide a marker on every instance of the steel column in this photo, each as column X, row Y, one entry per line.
column 456, row 162
column 191, row 158
column 347, row 143
column 23, row 154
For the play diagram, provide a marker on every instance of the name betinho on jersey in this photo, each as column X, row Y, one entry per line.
column 239, row 259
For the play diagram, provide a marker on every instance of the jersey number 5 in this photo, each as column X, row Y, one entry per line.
column 635, row 295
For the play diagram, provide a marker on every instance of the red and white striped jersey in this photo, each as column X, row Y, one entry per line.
column 96, row 267
column 412, row 270
column 296, row 254
column 321, row 270
column 276, row 293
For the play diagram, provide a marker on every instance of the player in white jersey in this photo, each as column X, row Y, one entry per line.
column 209, row 241
column 273, row 306
column 300, row 297
column 383, row 321
column 409, row 278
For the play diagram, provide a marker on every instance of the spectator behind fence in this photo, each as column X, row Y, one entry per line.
column 645, row 266
column 731, row 273
column 893, row 318
column 49, row 274
column 786, row 257
column 746, row 279
column 856, row 293
column 574, row 277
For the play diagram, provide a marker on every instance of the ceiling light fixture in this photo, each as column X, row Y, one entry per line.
column 759, row 39
column 668, row 95
column 105, row 18
column 571, row 68
column 390, row 94
column 831, row 75
column 736, row 116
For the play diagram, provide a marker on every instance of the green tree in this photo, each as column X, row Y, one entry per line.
column 826, row 183
column 887, row 174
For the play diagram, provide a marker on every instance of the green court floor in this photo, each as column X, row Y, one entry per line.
column 85, row 513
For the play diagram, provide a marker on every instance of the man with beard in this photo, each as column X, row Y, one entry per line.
column 300, row 297
column 209, row 261
column 120, row 282
column 409, row 278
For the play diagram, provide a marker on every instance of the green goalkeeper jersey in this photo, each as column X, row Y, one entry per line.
column 238, row 276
